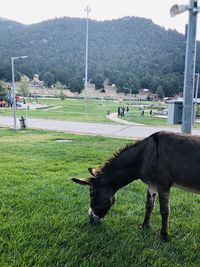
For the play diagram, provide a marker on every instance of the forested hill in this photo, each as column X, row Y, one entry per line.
column 131, row 52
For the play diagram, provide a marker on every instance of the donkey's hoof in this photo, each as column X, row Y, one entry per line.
column 164, row 237
column 144, row 226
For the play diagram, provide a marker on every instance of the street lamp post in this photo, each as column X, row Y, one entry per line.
column 13, row 87
column 196, row 95
column 190, row 59
column 130, row 96
column 87, row 9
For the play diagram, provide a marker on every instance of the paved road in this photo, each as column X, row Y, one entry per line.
column 112, row 130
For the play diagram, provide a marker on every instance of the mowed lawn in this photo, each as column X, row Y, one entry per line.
column 70, row 109
column 75, row 110
column 43, row 215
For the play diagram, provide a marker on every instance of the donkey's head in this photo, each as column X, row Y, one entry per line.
column 102, row 197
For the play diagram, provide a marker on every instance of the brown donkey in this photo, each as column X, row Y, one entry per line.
column 162, row 160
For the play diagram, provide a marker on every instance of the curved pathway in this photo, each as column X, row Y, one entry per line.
column 114, row 117
column 104, row 129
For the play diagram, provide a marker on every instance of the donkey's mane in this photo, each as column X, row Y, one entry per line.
column 109, row 163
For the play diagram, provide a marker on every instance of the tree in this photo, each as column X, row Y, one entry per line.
column 62, row 95
column 3, row 92
column 76, row 84
column 171, row 84
column 134, row 84
column 146, row 81
column 62, row 75
column 48, row 78
column 24, row 88
column 5, row 72
column 155, row 82
column 98, row 80
column 26, row 69
column 160, row 92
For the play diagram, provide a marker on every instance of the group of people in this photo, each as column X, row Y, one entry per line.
column 121, row 111
column 142, row 111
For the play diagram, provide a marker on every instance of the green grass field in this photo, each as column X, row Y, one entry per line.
column 43, row 215
column 71, row 109
column 74, row 110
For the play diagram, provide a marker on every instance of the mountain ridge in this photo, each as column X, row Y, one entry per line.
column 131, row 51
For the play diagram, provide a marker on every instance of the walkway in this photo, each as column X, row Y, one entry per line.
column 111, row 130
column 114, row 117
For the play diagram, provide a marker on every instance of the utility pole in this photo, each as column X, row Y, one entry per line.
column 190, row 60
column 87, row 9
column 13, row 88
column 189, row 76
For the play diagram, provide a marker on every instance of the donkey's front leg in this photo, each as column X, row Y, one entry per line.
column 164, row 211
column 151, row 196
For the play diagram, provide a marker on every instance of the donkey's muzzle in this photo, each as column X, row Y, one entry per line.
column 93, row 218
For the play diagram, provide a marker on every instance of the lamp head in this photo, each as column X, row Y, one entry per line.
column 23, row 57
column 20, row 57
column 178, row 9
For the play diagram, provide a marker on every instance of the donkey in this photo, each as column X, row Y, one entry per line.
column 162, row 160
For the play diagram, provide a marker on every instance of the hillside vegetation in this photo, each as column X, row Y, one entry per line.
column 130, row 52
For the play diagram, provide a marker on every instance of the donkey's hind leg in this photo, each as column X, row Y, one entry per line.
column 164, row 211
column 151, row 196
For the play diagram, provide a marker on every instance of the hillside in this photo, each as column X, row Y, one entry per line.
column 131, row 52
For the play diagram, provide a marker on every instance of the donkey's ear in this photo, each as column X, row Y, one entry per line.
column 86, row 181
column 93, row 171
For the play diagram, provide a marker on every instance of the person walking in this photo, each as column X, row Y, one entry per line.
column 119, row 111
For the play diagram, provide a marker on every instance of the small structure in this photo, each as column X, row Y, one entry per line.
column 175, row 111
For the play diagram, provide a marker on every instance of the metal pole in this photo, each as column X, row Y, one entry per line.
column 190, row 69
column 196, row 96
column 197, row 86
column 86, row 61
column 13, row 85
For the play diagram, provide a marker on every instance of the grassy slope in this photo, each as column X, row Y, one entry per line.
column 43, row 214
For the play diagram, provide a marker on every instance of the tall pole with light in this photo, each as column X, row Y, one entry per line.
column 87, row 9
column 190, row 59
column 13, row 88
column 196, row 96
column 130, row 96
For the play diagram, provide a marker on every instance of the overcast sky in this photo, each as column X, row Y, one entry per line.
column 33, row 11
